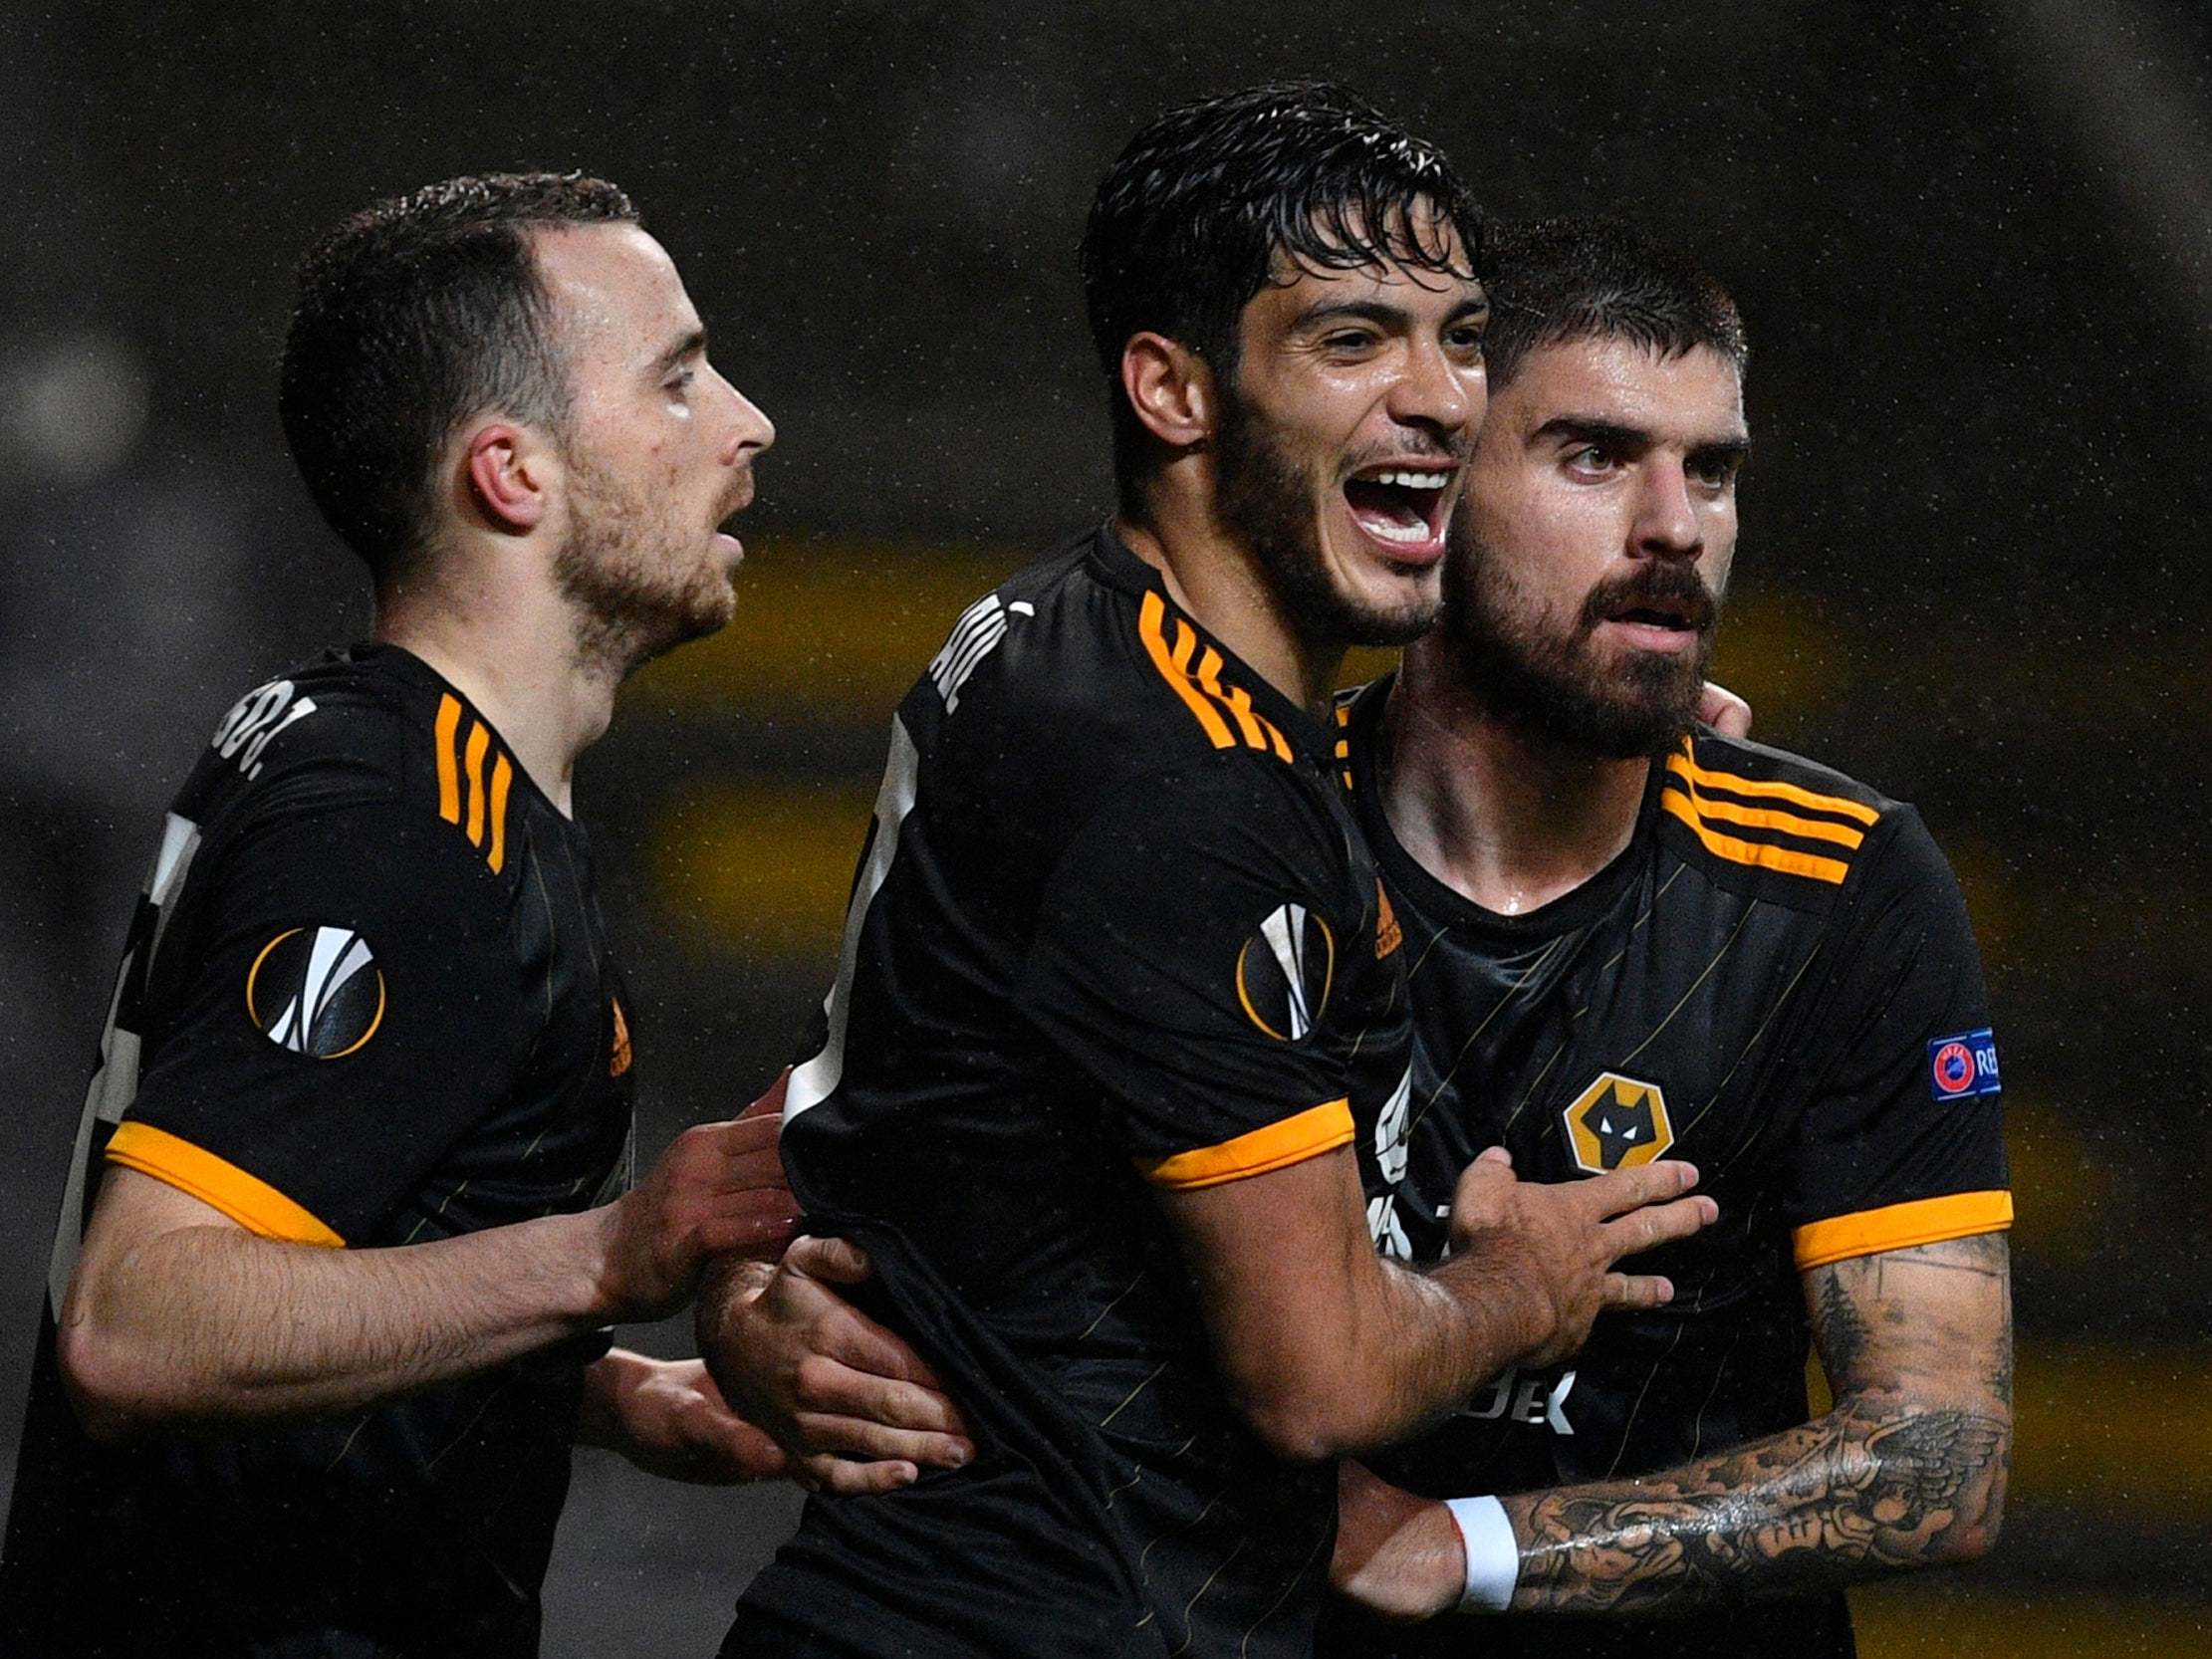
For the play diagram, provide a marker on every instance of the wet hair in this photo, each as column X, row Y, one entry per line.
column 413, row 315
column 1551, row 281
column 1212, row 200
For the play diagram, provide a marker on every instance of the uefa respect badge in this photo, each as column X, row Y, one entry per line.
column 1962, row 1066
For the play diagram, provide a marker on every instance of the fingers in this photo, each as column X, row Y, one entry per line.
column 758, row 1222
column 857, row 1436
column 1633, row 1290
column 832, row 1386
column 749, row 1138
column 834, row 1261
column 770, row 1105
column 1495, row 1155
column 732, row 1450
column 1657, row 1224
column 846, row 1478
column 1625, row 1189
column 871, row 1360
column 1724, row 711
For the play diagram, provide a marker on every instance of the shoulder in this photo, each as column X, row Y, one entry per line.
column 368, row 744
column 1081, row 680
column 1788, row 827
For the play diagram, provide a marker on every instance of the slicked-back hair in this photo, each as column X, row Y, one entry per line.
column 1213, row 200
column 1553, row 281
column 414, row 315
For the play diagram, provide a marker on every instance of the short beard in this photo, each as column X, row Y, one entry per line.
column 1542, row 681
column 617, row 570
column 1266, row 500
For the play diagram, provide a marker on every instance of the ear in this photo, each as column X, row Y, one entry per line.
column 509, row 474
column 1171, row 389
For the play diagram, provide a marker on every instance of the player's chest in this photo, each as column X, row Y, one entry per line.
column 562, row 1134
column 1609, row 1048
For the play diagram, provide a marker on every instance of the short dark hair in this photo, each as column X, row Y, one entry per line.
column 1551, row 281
column 414, row 315
column 1191, row 223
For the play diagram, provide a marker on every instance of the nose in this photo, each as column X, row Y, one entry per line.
column 1667, row 524
column 1435, row 393
column 750, row 429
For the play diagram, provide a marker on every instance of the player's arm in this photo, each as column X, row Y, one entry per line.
column 178, row 1315
column 1192, row 958
column 1907, row 1470
column 1327, row 1348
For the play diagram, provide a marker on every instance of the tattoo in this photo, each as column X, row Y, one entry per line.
column 1908, row 1469
column 1843, row 1331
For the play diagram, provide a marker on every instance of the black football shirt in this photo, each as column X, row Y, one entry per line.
column 366, row 1000
column 1113, row 930
column 1777, row 981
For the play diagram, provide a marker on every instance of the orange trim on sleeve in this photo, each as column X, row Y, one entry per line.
column 1278, row 1145
column 1924, row 1221
column 246, row 1199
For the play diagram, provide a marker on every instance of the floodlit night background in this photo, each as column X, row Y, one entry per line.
column 1973, row 245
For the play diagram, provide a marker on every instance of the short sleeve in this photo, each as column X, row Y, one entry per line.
column 1188, row 960
column 1901, row 1142
column 349, row 1006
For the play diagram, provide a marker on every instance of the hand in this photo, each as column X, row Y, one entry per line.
column 1724, row 711
column 1557, row 1243
column 668, row 1418
column 1397, row 1556
column 855, row 1408
column 719, row 1189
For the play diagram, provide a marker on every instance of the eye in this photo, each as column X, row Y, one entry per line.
column 681, row 382
column 1594, row 458
column 1715, row 472
column 1465, row 339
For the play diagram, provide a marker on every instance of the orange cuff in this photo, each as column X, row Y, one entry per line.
column 249, row 1201
column 1925, row 1221
column 1293, row 1140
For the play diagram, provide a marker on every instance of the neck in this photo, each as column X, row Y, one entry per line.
column 515, row 656
column 1217, row 579
column 1507, row 818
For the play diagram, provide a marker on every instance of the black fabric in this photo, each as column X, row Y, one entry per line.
column 1074, row 848
column 1784, row 1019
column 472, row 1072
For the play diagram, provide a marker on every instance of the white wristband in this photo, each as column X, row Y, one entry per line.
column 1493, row 1558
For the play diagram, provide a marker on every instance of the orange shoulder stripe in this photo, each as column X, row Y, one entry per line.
column 1686, row 765
column 1200, row 687
column 1175, row 673
column 449, row 775
column 1786, row 859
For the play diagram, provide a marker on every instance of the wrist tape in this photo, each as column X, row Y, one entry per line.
column 1493, row 1558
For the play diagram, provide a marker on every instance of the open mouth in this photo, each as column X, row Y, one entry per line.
column 1671, row 615
column 1400, row 507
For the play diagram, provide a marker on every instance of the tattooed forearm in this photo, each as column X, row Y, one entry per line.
column 1908, row 1469
column 1862, row 1491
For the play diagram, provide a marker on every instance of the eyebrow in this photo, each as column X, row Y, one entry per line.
column 696, row 340
column 1381, row 314
column 1586, row 429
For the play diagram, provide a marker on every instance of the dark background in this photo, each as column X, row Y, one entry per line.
column 1973, row 243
